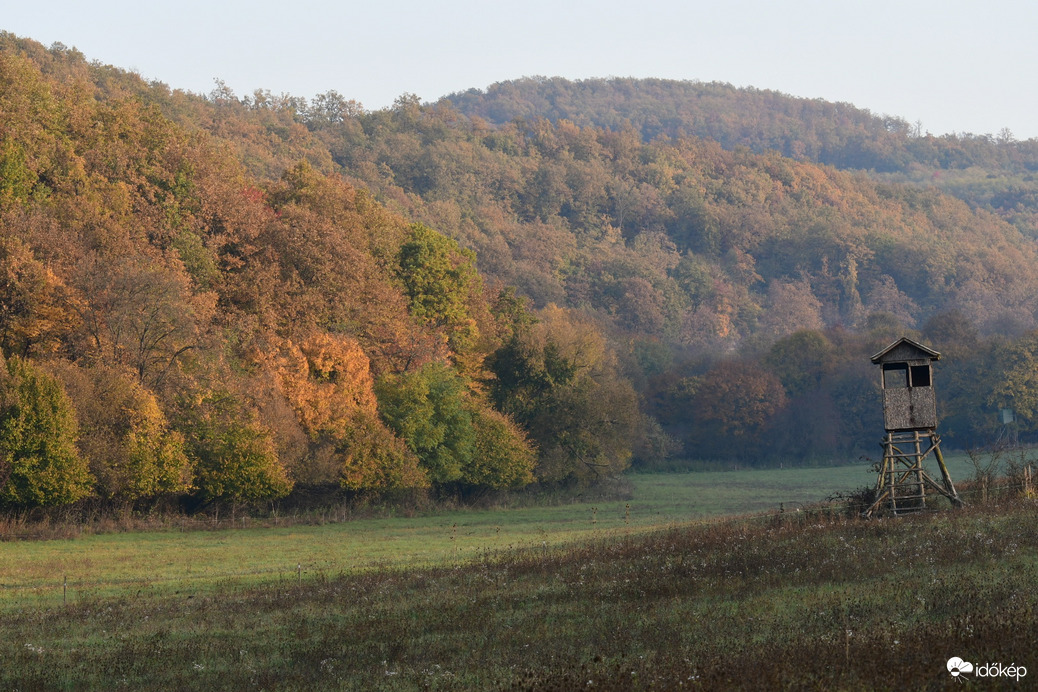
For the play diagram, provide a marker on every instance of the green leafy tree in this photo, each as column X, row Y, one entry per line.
column 440, row 279
column 16, row 180
column 503, row 456
column 1015, row 380
column 373, row 458
column 800, row 360
column 587, row 430
column 236, row 459
column 39, row 463
column 156, row 460
column 952, row 333
column 559, row 382
column 428, row 409
column 854, row 391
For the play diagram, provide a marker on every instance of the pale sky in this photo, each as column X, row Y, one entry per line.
column 951, row 65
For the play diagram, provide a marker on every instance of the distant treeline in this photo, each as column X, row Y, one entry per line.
column 993, row 171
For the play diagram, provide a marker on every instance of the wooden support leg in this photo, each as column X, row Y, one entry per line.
column 948, row 485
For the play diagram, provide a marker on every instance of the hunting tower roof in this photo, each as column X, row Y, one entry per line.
column 904, row 349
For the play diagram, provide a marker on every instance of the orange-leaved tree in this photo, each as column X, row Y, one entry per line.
column 327, row 380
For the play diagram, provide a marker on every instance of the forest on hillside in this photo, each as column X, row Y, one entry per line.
column 173, row 324
column 221, row 299
column 991, row 171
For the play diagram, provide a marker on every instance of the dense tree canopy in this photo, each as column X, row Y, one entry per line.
column 235, row 296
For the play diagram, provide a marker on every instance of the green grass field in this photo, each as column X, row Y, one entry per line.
column 56, row 571
column 652, row 591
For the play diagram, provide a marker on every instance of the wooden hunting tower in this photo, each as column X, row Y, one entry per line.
column 910, row 419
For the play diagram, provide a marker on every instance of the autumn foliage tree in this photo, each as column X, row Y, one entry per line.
column 327, row 380
column 297, row 290
column 138, row 314
column 733, row 405
column 132, row 450
column 35, row 309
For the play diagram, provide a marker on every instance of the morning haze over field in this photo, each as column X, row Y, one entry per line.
column 449, row 394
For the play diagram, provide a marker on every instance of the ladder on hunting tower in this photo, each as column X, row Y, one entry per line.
column 904, row 483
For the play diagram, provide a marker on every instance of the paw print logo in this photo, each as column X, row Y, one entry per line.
column 956, row 666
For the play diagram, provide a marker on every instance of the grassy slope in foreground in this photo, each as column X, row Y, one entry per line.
column 767, row 603
column 153, row 563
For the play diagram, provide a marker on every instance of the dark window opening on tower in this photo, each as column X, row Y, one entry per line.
column 920, row 375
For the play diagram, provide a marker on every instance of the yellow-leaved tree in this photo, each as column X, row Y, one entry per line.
column 327, row 380
column 124, row 434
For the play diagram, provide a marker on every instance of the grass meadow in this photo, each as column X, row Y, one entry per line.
column 653, row 591
column 194, row 558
